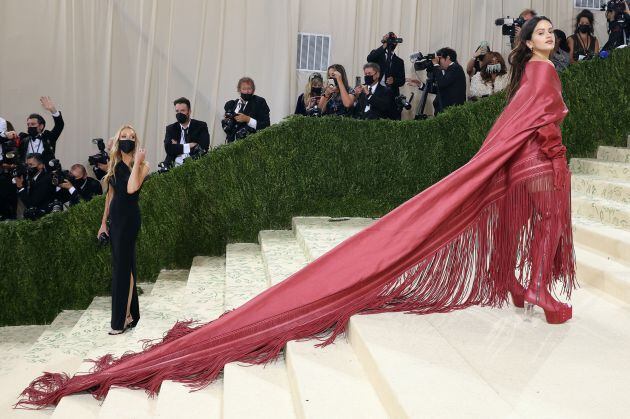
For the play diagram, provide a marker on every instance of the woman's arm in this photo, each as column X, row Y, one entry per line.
column 596, row 46
column 571, row 46
column 108, row 199
column 139, row 172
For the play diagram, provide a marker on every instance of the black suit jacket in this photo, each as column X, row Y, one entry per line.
column 197, row 133
column 381, row 104
column 451, row 87
column 83, row 190
column 256, row 108
column 39, row 192
column 49, row 139
column 394, row 67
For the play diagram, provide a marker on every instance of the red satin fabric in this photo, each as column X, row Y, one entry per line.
column 456, row 244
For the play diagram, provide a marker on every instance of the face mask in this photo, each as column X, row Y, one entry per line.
column 369, row 79
column 247, row 96
column 32, row 131
column 181, row 118
column 584, row 28
column 32, row 171
column 316, row 91
column 126, row 146
column 493, row 68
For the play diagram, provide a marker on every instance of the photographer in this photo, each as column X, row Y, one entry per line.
column 373, row 100
column 35, row 188
column 525, row 15
column 100, row 160
column 185, row 138
column 474, row 64
column 618, row 18
column 8, row 195
column 337, row 99
column 583, row 45
column 449, row 78
column 38, row 140
column 78, row 186
column 247, row 114
column 392, row 66
column 308, row 102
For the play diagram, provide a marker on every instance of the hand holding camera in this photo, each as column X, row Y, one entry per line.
column 242, row 118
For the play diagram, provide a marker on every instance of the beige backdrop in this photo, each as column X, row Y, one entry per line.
column 108, row 62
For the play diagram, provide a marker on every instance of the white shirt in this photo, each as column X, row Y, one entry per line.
column 479, row 88
column 239, row 107
column 179, row 160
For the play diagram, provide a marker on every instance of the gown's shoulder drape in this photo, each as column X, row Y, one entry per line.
column 456, row 244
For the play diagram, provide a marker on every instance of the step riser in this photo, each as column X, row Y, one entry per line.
column 596, row 211
column 601, row 168
column 601, row 189
column 597, row 240
column 616, row 154
column 612, row 283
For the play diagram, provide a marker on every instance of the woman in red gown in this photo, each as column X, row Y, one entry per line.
column 500, row 224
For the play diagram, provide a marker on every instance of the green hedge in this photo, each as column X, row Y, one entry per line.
column 302, row 166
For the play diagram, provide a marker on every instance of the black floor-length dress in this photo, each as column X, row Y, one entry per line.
column 124, row 216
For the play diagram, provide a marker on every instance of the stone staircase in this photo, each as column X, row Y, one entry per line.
column 478, row 362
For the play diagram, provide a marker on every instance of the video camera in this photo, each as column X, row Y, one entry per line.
column 616, row 6
column 401, row 102
column 508, row 25
column 422, row 62
column 391, row 40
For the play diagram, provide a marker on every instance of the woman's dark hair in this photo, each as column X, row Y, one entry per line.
column 521, row 54
column 562, row 39
column 591, row 19
column 342, row 71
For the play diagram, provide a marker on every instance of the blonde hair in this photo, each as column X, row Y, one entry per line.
column 309, row 85
column 115, row 155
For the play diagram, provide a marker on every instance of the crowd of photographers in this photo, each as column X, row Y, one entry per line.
column 33, row 182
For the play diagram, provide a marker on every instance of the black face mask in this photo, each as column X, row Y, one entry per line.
column 369, row 79
column 247, row 96
column 32, row 131
column 316, row 91
column 32, row 171
column 181, row 118
column 126, row 146
column 584, row 28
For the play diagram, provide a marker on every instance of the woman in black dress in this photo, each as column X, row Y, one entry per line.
column 126, row 172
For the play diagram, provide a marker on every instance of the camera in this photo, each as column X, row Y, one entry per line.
column 164, row 167
column 33, row 213
column 421, row 62
column 508, row 25
column 229, row 123
column 391, row 39
column 197, row 152
column 59, row 175
column 21, row 170
column 401, row 102
column 10, row 150
column 55, row 206
column 243, row 132
column 314, row 111
column 99, row 158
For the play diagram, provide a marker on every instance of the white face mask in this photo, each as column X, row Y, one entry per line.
column 493, row 68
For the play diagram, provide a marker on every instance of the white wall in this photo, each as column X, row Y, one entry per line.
column 110, row 62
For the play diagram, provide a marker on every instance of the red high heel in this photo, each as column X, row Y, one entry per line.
column 555, row 311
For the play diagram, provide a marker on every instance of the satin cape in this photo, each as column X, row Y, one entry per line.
column 457, row 244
